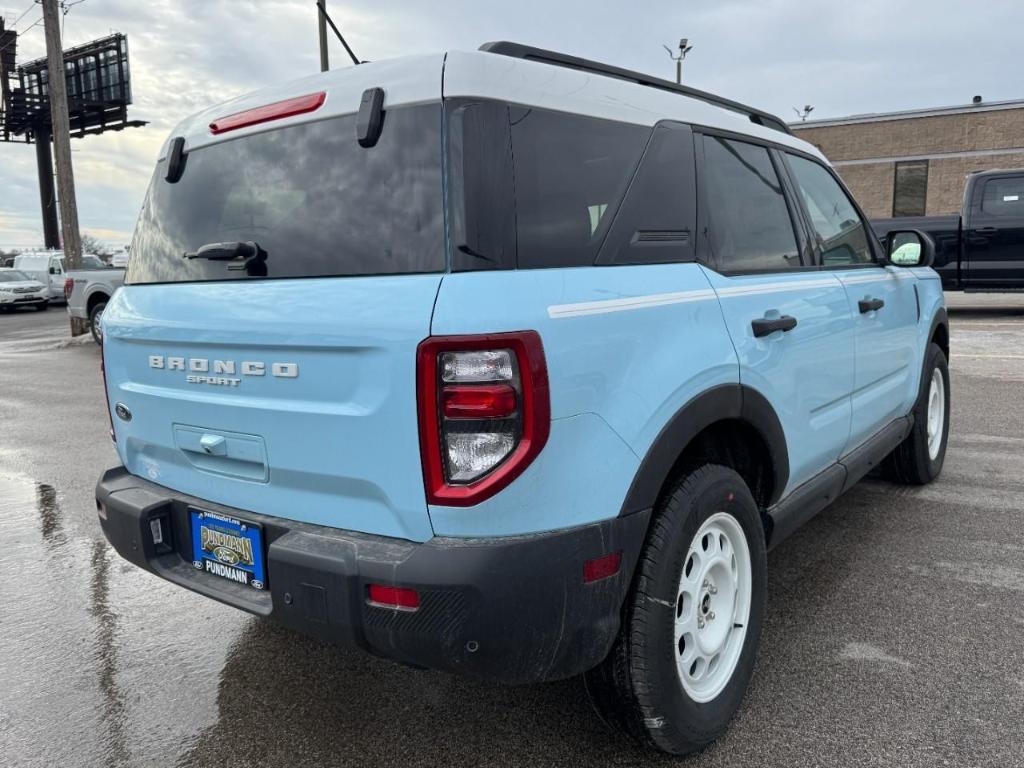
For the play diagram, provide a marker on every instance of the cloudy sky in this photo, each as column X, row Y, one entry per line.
column 842, row 56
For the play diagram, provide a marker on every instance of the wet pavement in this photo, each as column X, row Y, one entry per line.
column 893, row 634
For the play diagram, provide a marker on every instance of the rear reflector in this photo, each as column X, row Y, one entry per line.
column 495, row 401
column 601, row 567
column 276, row 111
column 400, row 598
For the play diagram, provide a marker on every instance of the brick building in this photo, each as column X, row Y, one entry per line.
column 914, row 163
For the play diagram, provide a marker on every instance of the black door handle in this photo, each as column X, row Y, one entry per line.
column 870, row 305
column 986, row 230
column 767, row 325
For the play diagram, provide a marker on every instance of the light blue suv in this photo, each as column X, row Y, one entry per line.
column 511, row 364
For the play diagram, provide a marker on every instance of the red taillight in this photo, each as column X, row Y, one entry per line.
column 478, row 401
column 601, row 567
column 484, row 413
column 276, row 111
column 69, row 285
column 401, row 598
column 106, row 397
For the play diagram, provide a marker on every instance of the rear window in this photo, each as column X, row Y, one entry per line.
column 309, row 196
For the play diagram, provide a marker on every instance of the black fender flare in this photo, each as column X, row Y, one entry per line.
column 726, row 401
column 941, row 318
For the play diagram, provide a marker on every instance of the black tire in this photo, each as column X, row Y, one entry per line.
column 911, row 463
column 94, row 318
column 43, row 307
column 638, row 689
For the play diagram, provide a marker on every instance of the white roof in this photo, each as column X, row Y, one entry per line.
column 418, row 79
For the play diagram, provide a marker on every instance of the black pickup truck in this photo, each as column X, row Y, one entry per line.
column 982, row 248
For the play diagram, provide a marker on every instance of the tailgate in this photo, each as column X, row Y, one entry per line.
column 292, row 398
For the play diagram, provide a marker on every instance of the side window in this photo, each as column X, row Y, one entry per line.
column 1004, row 197
column 751, row 228
column 841, row 233
column 659, row 212
column 571, row 172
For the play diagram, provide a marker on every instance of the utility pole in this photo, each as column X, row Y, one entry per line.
column 321, row 20
column 62, row 143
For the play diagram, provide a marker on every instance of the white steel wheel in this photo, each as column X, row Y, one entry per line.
column 936, row 413
column 712, row 607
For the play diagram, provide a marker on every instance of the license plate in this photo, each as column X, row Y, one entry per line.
column 227, row 547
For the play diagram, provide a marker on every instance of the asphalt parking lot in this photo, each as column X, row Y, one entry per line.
column 893, row 634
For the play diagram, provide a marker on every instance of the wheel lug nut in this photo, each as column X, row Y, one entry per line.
column 711, row 615
column 713, row 589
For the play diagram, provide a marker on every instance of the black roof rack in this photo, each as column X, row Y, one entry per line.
column 519, row 51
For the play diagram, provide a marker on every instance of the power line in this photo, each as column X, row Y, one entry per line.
column 65, row 9
column 21, row 34
column 23, row 15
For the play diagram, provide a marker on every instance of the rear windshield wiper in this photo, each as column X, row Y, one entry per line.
column 254, row 257
column 225, row 251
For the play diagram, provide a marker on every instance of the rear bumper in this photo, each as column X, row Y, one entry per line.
column 509, row 609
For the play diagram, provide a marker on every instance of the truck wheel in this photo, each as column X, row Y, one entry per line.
column 95, row 315
column 918, row 459
column 691, row 625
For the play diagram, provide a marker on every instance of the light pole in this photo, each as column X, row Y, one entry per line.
column 684, row 48
column 802, row 114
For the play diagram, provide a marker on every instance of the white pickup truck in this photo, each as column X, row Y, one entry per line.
column 87, row 292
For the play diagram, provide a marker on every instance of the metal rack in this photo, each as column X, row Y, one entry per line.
column 519, row 51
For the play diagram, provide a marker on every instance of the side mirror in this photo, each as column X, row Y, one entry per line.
column 909, row 248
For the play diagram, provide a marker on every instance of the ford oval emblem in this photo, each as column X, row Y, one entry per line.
column 226, row 555
column 122, row 412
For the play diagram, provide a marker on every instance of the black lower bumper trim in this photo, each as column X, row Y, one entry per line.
column 509, row 609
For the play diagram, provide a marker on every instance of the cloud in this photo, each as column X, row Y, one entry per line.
column 844, row 58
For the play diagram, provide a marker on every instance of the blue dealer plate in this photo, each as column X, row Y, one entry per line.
column 227, row 547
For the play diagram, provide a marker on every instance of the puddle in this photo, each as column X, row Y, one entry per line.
column 92, row 669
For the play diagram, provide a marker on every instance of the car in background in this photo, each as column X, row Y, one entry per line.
column 87, row 292
column 19, row 290
column 48, row 268
column 982, row 247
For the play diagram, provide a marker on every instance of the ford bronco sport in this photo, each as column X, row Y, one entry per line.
column 510, row 364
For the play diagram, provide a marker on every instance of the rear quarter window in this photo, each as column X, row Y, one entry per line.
column 314, row 200
column 533, row 188
column 571, row 172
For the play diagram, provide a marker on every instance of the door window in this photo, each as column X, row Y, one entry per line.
column 841, row 233
column 1004, row 197
column 751, row 229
